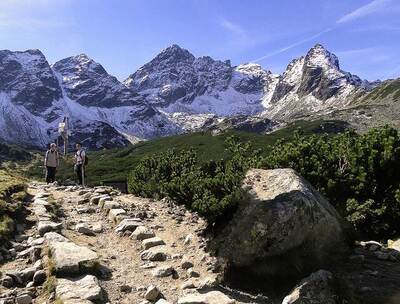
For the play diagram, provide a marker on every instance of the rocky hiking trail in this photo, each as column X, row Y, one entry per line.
column 94, row 245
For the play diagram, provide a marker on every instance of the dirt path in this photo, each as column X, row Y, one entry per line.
column 166, row 250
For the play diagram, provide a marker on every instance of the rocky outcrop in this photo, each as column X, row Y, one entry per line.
column 284, row 228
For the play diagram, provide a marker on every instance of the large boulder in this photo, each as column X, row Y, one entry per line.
column 284, row 228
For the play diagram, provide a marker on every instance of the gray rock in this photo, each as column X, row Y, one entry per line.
column 111, row 205
column 128, row 224
column 186, row 263
column 70, row 258
column 212, row 297
column 142, row 233
column 163, row 301
column 152, row 242
column 39, row 277
column 55, row 237
column 317, row 288
column 152, row 293
column 163, row 271
column 47, row 226
column 7, row 281
column 155, row 254
column 23, row 299
column 284, row 216
column 192, row 273
column 79, row 289
column 84, row 229
column 115, row 213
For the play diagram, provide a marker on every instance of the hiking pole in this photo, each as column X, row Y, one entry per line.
column 83, row 175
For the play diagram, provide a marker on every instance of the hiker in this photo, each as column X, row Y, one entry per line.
column 80, row 159
column 51, row 162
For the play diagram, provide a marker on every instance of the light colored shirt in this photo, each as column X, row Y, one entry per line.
column 80, row 157
column 51, row 159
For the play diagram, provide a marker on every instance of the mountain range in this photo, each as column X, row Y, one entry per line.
column 174, row 93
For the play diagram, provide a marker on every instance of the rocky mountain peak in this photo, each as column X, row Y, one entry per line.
column 80, row 64
column 174, row 53
column 319, row 56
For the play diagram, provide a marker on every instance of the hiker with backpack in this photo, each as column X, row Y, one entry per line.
column 51, row 163
column 81, row 160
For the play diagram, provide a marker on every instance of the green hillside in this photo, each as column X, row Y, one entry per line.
column 13, row 153
column 388, row 91
column 115, row 164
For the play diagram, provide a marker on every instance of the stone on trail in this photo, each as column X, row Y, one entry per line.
column 142, row 233
column 163, row 301
column 111, row 205
column 128, row 224
column 163, row 271
column 155, row 254
column 319, row 287
column 55, row 237
column 284, row 217
column 103, row 199
column 70, row 258
column 47, row 226
column 152, row 242
column 152, row 293
column 115, row 213
column 23, row 299
column 212, row 297
column 186, row 263
column 82, row 288
column 84, row 229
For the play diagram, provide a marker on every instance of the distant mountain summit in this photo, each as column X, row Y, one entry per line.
column 173, row 93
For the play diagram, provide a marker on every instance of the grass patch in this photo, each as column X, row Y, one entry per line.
column 12, row 195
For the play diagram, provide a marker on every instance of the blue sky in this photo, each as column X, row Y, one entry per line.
column 124, row 34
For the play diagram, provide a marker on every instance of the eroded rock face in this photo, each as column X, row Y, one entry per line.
column 284, row 228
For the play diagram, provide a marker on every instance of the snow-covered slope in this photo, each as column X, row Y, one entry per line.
column 173, row 93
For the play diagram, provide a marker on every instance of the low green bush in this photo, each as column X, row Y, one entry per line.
column 359, row 174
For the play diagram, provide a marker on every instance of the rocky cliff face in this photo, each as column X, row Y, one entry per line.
column 173, row 93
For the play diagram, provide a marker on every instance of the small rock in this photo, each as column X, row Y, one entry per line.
column 7, row 281
column 163, row 271
column 128, row 224
column 192, row 273
column 47, row 226
column 152, row 242
column 39, row 277
column 125, row 288
column 186, row 263
column 23, row 299
column 188, row 239
column 97, row 227
column 163, row 301
column 152, row 293
column 115, row 213
column 84, row 229
column 188, row 285
column 142, row 233
column 212, row 297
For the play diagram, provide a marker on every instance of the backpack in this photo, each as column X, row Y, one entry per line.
column 86, row 159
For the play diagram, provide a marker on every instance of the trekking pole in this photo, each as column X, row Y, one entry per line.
column 83, row 175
